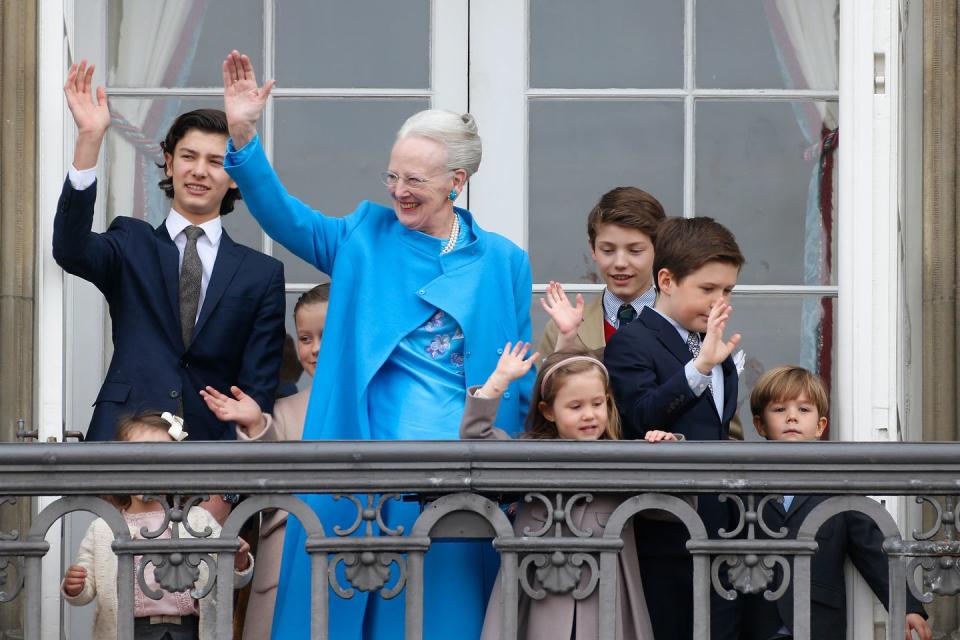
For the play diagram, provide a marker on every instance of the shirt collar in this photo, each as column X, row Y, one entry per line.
column 612, row 303
column 212, row 229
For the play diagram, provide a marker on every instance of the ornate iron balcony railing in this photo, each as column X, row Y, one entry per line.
column 461, row 484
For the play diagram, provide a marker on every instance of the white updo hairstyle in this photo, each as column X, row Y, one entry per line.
column 456, row 132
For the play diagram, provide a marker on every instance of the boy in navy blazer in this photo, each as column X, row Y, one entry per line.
column 189, row 306
column 671, row 369
column 791, row 404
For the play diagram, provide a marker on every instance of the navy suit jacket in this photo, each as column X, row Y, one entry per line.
column 238, row 338
column 849, row 534
column 646, row 361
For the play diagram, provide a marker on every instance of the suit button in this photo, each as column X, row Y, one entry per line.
column 184, row 363
column 499, row 352
column 506, row 394
column 174, row 393
column 421, row 292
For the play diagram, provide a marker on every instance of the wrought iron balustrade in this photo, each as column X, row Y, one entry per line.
column 462, row 485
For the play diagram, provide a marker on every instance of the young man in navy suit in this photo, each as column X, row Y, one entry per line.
column 671, row 369
column 790, row 404
column 189, row 306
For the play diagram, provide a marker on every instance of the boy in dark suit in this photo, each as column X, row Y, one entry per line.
column 671, row 369
column 189, row 306
column 790, row 404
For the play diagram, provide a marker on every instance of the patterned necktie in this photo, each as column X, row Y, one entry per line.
column 626, row 314
column 191, row 274
column 693, row 343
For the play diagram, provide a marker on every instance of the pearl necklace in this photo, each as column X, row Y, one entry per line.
column 454, row 233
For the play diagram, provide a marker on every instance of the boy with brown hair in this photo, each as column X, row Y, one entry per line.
column 672, row 370
column 791, row 404
column 621, row 229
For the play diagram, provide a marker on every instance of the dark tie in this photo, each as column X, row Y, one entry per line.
column 626, row 314
column 693, row 343
column 191, row 274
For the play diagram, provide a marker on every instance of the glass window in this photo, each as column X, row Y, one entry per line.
column 606, row 43
column 179, row 43
column 375, row 43
column 579, row 150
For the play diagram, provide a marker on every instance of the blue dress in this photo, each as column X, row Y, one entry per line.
column 388, row 283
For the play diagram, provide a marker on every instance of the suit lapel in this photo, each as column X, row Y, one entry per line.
column 730, row 383
column 796, row 506
column 229, row 257
column 169, row 258
column 666, row 334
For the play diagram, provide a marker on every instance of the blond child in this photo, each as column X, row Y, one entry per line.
column 94, row 574
column 790, row 404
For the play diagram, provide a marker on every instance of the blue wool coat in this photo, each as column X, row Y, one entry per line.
column 384, row 287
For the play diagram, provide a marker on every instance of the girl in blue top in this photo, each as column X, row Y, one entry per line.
column 445, row 295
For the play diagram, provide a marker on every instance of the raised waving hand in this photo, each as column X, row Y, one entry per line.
column 243, row 99
column 90, row 113
column 513, row 365
column 566, row 316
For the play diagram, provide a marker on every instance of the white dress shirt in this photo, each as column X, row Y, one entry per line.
column 207, row 245
column 698, row 382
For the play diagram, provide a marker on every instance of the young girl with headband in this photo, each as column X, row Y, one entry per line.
column 572, row 400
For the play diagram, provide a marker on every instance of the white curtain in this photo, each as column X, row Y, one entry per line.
column 805, row 34
column 154, row 47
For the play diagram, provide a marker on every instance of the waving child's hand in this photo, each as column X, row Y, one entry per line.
column 513, row 365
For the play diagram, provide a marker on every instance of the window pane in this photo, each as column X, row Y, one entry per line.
column 375, row 43
column 779, row 330
column 180, row 43
column 581, row 149
column 762, row 171
column 768, row 44
column 133, row 151
column 329, row 154
column 606, row 44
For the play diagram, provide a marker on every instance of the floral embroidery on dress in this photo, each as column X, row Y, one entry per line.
column 458, row 334
column 435, row 322
column 439, row 346
column 456, row 359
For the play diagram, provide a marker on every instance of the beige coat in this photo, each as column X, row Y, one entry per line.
column 286, row 423
column 97, row 557
column 554, row 616
column 590, row 335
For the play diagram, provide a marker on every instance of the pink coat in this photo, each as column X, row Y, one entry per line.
column 553, row 616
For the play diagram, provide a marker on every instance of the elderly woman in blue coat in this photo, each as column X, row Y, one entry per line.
column 437, row 297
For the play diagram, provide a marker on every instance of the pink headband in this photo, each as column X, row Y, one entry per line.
column 552, row 369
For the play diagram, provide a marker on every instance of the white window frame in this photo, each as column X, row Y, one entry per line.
column 865, row 265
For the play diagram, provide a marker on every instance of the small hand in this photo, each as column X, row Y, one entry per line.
column 655, row 435
column 915, row 622
column 74, row 580
column 243, row 100
column 241, row 561
column 513, row 365
column 567, row 317
column 90, row 112
column 241, row 409
column 713, row 349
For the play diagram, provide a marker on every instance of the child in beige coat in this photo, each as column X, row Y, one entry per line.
column 571, row 401
column 286, row 423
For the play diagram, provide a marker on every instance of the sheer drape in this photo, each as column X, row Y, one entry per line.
column 805, row 36
column 158, row 57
